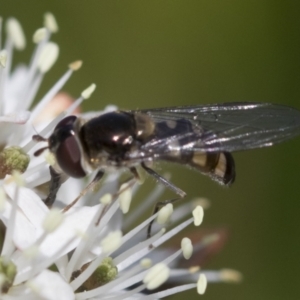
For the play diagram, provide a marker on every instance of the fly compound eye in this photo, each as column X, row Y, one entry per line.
column 65, row 146
column 67, row 121
column 68, row 156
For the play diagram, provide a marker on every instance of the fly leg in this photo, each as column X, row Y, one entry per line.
column 157, row 206
column 130, row 182
column 169, row 185
column 90, row 186
column 57, row 179
column 164, row 181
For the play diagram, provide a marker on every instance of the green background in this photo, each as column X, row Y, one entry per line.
column 165, row 53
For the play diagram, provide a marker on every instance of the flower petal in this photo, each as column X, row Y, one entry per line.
column 50, row 285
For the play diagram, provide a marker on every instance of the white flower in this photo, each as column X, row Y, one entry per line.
column 92, row 251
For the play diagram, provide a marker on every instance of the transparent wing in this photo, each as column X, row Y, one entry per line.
column 224, row 127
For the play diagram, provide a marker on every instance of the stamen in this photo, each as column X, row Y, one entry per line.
column 31, row 252
column 106, row 199
column 50, row 22
column 49, row 96
column 172, row 257
column 86, row 94
column 173, row 232
column 201, row 284
column 3, row 58
column 76, row 260
column 76, row 65
column 18, row 178
column 34, row 78
column 111, row 285
column 53, row 220
column 112, row 241
column 103, row 220
column 136, row 252
column 3, row 75
column 43, row 264
column 8, row 245
column 146, row 263
column 194, row 269
column 164, row 214
column 187, row 248
column 15, row 32
column 144, row 206
column 209, row 239
column 156, row 276
column 33, row 287
column 2, row 199
column 203, row 202
column 198, row 214
column 132, row 234
column 125, row 198
column 48, row 57
column 229, row 275
column 1, row 21
column 173, row 291
column 39, row 35
column 141, row 174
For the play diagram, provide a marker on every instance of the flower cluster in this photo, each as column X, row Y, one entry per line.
column 97, row 249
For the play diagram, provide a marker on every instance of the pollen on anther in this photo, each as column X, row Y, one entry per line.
column 50, row 22
column 207, row 240
column 201, row 284
column 31, row 252
column 125, row 198
column 3, row 58
column 33, row 286
column 82, row 234
column 52, row 220
column 205, row 203
column 2, row 199
column 156, row 276
column 75, row 65
column 106, row 199
column 15, row 31
column 229, row 275
column 39, row 35
column 187, row 248
column 194, row 269
column 198, row 214
column 164, row 214
column 88, row 91
column 48, row 57
column 146, row 263
column 112, row 241
column 18, row 178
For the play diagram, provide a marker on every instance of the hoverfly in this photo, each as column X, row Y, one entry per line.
column 200, row 136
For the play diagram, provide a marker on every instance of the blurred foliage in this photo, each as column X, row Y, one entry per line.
column 162, row 53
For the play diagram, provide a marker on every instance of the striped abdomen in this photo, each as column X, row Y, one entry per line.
column 182, row 149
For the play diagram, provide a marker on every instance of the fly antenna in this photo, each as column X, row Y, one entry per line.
column 40, row 151
column 39, row 138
